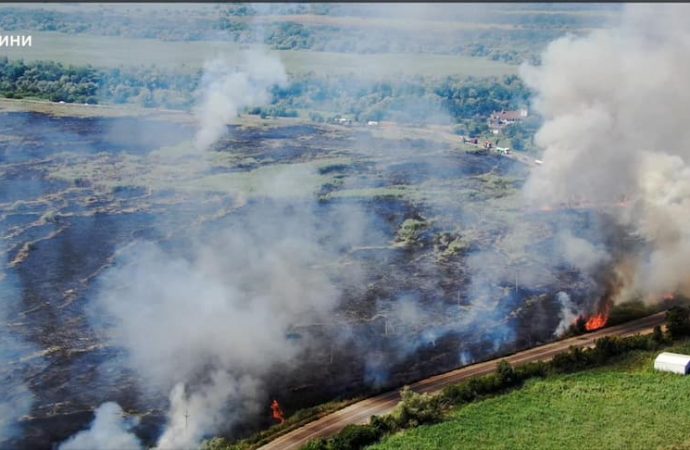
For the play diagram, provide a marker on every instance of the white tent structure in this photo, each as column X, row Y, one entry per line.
column 672, row 362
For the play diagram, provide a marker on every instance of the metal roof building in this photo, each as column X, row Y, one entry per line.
column 672, row 362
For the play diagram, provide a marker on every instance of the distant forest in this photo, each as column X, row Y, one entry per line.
column 510, row 38
column 413, row 99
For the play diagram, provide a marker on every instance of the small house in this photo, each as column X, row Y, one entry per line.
column 672, row 362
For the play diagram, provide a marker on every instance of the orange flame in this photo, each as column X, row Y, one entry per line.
column 596, row 322
column 277, row 412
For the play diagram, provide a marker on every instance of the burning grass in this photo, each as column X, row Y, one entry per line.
column 571, row 411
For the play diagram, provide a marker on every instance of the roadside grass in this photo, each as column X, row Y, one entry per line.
column 623, row 405
column 110, row 51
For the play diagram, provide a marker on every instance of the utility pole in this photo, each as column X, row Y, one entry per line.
column 186, row 417
column 516, row 282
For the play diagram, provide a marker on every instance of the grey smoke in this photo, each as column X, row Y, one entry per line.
column 206, row 326
column 192, row 415
column 229, row 86
column 229, row 308
column 615, row 106
column 108, row 431
column 580, row 253
column 567, row 315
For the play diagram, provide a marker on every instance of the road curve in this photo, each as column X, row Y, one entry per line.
column 360, row 412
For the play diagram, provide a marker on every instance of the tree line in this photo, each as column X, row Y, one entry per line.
column 323, row 97
column 230, row 23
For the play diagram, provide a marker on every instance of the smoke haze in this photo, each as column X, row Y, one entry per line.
column 615, row 105
column 108, row 431
column 205, row 325
column 16, row 399
column 227, row 88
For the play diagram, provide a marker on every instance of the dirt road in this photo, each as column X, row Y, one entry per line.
column 360, row 412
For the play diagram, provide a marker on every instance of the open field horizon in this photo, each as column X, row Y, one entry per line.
column 113, row 51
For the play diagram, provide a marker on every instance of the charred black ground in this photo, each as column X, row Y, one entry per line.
column 74, row 191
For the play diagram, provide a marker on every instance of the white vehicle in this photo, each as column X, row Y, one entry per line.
column 538, row 162
column 503, row 150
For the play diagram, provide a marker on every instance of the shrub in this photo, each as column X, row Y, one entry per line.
column 658, row 336
column 383, row 424
column 678, row 321
column 417, row 409
column 506, row 374
column 459, row 393
column 574, row 359
column 354, row 437
column 410, row 231
column 316, row 444
column 533, row 369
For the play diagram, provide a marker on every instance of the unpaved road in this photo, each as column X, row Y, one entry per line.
column 360, row 412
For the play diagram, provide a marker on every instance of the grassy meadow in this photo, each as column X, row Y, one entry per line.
column 109, row 51
column 626, row 405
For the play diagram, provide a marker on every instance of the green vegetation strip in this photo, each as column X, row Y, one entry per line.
column 598, row 408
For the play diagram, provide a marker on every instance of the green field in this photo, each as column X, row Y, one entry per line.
column 622, row 406
column 107, row 51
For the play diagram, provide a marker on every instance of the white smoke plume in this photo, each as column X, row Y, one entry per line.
column 204, row 326
column 192, row 415
column 567, row 315
column 227, row 309
column 228, row 87
column 615, row 105
column 108, row 431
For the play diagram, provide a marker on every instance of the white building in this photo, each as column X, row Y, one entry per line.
column 672, row 362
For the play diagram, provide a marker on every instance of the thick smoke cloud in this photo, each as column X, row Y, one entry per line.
column 228, row 87
column 205, row 323
column 615, row 106
column 109, row 431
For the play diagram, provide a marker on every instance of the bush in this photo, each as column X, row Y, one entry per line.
column 417, row 409
column 533, row 369
column 506, row 374
column 459, row 393
column 658, row 336
column 354, row 437
column 678, row 321
column 383, row 424
column 410, row 230
column 316, row 444
column 574, row 359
